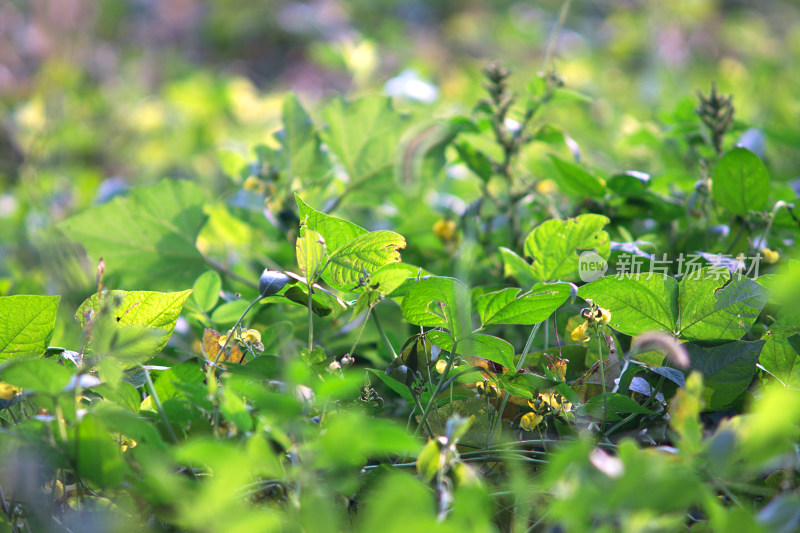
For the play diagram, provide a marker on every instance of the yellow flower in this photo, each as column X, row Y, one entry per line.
column 546, row 187
column 770, row 257
column 530, row 421
column 254, row 184
column 441, row 365
column 580, row 334
column 603, row 316
column 222, row 340
column 555, row 401
column 251, row 336
column 8, row 392
column 445, row 230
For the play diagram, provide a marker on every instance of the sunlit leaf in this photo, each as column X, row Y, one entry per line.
column 26, row 324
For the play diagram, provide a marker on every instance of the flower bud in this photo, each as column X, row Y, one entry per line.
column 271, row 282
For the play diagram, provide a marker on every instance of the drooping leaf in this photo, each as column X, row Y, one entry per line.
column 97, row 454
column 741, row 182
column 311, row 253
column 44, row 376
column 523, row 384
column 364, row 136
column 334, row 230
column 516, row 267
column 147, row 239
column 300, row 156
column 439, row 302
column 638, row 303
column 475, row 160
column 485, row 346
column 555, row 246
column 154, row 311
column 26, row 324
column 206, row 290
column 512, row 306
column 366, row 253
column 711, row 310
column 727, row 369
column 576, row 181
column 780, row 355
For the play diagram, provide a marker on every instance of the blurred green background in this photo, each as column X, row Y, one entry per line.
column 99, row 96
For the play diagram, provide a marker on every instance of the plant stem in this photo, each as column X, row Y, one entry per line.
column 310, row 318
column 517, row 367
column 233, row 329
column 159, row 407
column 230, row 273
column 602, row 374
column 439, row 386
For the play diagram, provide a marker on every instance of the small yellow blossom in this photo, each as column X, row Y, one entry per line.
column 580, row 334
column 254, row 184
column 8, row 392
column 222, row 340
column 770, row 256
column 441, row 365
column 251, row 336
column 445, row 230
column 603, row 316
column 530, row 421
column 555, row 401
column 546, row 187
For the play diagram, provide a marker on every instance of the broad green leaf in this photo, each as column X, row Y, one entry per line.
column 44, row 376
column 555, row 246
column 235, row 410
column 393, row 384
column 364, row 254
column 147, row 239
column 439, row 302
column 613, row 403
column 516, row 267
column 323, row 303
column 576, row 181
column 629, row 183
column 26, row 324
column 389, row 277
column 364, row 136
column 512, row 306
column 188, row 372
column 429, row 460
column 780, row 355
column 124, row 395
column 335, row 231
column 524, row 384
column 229, row 312
column 475, row 160
column 154, row 311
column 727, row 369
column 485, row 346
column 741, row 182
column 311, row 254
column 711, row 310
column 128, row 423
column 300, row 156
column 97, row 453
column 638, row 303
column 206, row 290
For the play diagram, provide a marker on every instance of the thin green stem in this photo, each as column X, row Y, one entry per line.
column 602, row 373
column 151, row 390
column 517, row 367
column 439, row 386
column 230, row 273
column 234, row 328
column 310, row 317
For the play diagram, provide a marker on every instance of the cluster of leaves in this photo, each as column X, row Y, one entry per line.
column 475, row 386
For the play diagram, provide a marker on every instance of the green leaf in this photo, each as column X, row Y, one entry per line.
column 524, row 384
column 311, row 254
column 614, row 403
column 44, row 376
column 741, row 182
column 147, row 239
column 475, row 160
column 97, row 454
column 439, row 302
column 575, row 181
column 26, row 324
column 188, row 372
column 421, row 153
column 364, row 136
column 516, row 267
column 155, row 311
column 300, row 156
column 485, row 346
column 206, row 290
column 555, row 245
column 629, row 183
column 780, row 355
column 637, row 304
column 389, row 277
column 323, row 303
column 335, row 231
column 508, row 306
column 229, row 312
column 711, row 310
column 393, row 384
column 235, row 410
column 365, row 253
column 429, row 460
column 727, row 369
